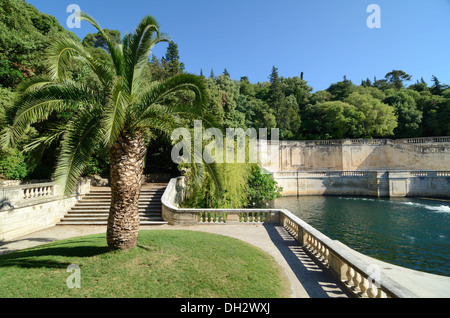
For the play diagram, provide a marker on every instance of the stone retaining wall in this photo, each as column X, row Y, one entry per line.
column 357, row 155
column 27, row 208
column 433, row 184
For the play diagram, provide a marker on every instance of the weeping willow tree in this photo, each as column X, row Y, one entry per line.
column 225, row 183
column 230, row 192
column 118, row 116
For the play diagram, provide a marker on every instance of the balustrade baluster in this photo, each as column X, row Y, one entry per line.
column 372, row 291
column 327, row 256
column 356, row 281
column 363, row 286
column 319, row 251
column 381, row 294
column 350, row 273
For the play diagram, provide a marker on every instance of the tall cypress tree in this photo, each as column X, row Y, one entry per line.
column 171, row 61
column 276, row 96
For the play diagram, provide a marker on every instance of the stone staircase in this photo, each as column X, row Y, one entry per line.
column 93, row 209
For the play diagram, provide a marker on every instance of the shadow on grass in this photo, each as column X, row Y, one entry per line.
column 54, row 256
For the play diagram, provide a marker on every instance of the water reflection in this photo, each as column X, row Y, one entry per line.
column 413, row 233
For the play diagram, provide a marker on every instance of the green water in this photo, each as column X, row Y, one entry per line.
column 413, row 233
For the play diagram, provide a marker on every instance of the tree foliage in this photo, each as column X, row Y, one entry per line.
column 377, row 108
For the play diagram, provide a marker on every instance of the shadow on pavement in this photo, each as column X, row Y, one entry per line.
column 317, row 282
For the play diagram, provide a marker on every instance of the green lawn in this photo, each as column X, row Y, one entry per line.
column 166, row 263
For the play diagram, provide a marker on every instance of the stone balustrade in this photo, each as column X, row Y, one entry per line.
column 37, row 191
column 381, row 183
column 425, row 140
column 28, row 207
column 360, row 278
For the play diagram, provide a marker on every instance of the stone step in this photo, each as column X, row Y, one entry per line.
column 107, row 208
column 108, row 197
column 96, row 191
column 93, row 209
column 96, row 203
column 108, row 193
column 106, row 214
column 104, row 218
column 90, row 222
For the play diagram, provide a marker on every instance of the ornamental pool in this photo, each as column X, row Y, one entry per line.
column 409, row 232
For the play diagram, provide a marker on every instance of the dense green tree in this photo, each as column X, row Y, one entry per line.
column 24, row 31
column 397, row 77
column 246, row 88
column 341, row 90
column 409, row 116
column 297, row 87
column 229, row 91
column 377, row 118
column 336, row 120
column 437, row 88
column 435, row 110
column 419, row 86
column 97, row 39
column 276, row 96
column 171, row 61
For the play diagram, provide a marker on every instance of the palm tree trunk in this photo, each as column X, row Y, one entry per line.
column 127, row 165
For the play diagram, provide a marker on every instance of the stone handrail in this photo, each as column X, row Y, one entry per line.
column 423, row 140
column 36, row 191
column 360, row 278
column 27, row 194
column 173, row 214
column 290, row 174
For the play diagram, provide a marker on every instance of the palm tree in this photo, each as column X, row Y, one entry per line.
column 118, row 116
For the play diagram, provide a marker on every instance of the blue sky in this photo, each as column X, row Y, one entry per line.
column 325, row 39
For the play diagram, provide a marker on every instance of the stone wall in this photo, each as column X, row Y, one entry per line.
column 360, row 154
column 380, row 167
column 432, row 184
column 26, row 208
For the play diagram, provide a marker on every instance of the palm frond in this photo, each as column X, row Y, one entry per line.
column 115, row 49
column 34, row 83
column 174, row 84
column 115, row 112
column 37, row 105
column 81, row 139
column 138, row 48
column 46, row 139
column 62, row 51
column 157, row 119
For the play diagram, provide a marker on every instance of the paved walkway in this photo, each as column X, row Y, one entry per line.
column 306, row 277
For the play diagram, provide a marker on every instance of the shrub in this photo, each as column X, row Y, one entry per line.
column 12, row 165
column 261, row 187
